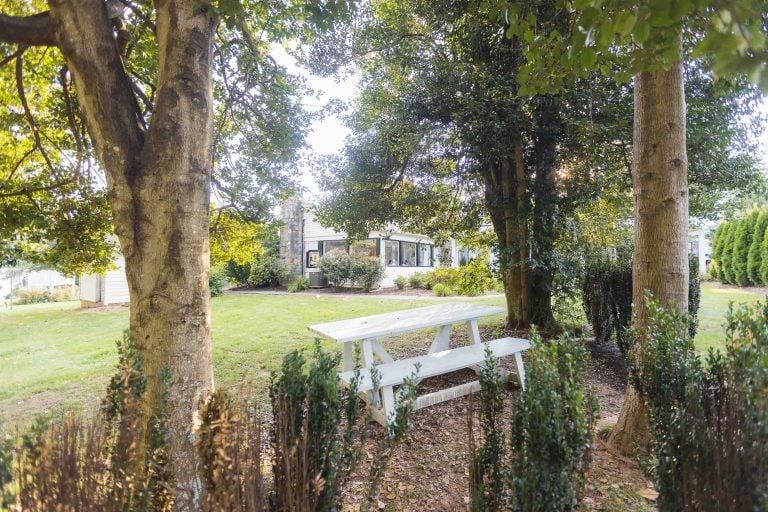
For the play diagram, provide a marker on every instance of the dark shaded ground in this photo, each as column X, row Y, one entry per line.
column 429, row 472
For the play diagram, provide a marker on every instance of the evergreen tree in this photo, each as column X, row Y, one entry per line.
column 741, row 244
column 717, row 251
column 726, row 268
column 764, row 258
column 754, row 258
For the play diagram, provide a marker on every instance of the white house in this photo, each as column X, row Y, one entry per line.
column 12, row 278
column 303, row 240
column 111, row 288
column 700, row 242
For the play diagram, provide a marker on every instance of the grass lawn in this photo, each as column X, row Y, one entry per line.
column 714, row 304
column 58, row 355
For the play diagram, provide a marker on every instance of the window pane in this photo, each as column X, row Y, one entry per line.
column 392, row 253
column 409, row 254
column 334, row 245
column 425, row 255
column 364, row 247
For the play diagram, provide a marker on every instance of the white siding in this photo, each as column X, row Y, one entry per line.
column 90, row 288
column 115, row 287
column 111, row 288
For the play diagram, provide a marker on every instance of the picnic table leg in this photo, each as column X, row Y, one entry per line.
column 388, row 397
column 441, row 340
column 474, row 336
column 349, row 364
column 520, row 370
column 373, row 398
column 379, row 351
column 474, row 332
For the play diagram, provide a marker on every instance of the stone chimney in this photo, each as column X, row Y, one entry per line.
column 292, row 234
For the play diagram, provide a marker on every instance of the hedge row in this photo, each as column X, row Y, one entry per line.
column 740, row 250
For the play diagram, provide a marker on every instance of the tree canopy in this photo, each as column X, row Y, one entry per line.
column 53, row 203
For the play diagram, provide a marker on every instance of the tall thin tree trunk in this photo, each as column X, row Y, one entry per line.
column 660, row 192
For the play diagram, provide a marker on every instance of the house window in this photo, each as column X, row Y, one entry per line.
column 365, row 247
column 327, row 246
column 312, row 258
column 392, row 253
column 425, row 255
column 408, row 258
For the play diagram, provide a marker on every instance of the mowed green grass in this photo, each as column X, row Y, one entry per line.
column 58, row 355
column 715, row 299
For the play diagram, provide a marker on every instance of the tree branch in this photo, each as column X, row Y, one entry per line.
column 12, row 56
column 28, row 191
column 35, row 30
column 28, row 113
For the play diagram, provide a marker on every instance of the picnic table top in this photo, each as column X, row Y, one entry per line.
column 397, row 322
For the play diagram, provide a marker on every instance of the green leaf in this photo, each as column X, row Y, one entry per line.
column 642, row 32
column 624, row 23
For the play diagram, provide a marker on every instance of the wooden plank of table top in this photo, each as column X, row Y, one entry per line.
column 397, row 322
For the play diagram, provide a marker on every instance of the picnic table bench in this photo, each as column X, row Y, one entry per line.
column 439, row 360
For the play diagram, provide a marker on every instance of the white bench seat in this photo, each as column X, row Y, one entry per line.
column 431, row 365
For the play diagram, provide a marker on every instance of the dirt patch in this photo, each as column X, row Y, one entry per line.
column 429, row 472
column 105, row 309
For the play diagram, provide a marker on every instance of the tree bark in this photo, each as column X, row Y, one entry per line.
column 505, row 200
column 547, row 130
column 660, row 195
column 158, row 184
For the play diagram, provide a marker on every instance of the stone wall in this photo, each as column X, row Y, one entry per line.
column 291, row 249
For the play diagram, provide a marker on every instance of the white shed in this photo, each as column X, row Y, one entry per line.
column 111, row 288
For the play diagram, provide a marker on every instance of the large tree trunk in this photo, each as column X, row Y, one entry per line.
column 660, row 191
column 505, row 200
column 158, row 186
column 547, row 130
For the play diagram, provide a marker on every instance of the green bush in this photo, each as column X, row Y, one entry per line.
column 366, row 271
column 550, row 439
column 31, row 296
column 717, row 251
column 707, row 417
column 318, row 438
column 442, row 290
column 64, row 293
column 336, row 267
column 475, row 278
column 742, row 243
column 694, row 294
column 400, row 282
column 238, row 274
column 472, row 279
column 298, row 284
column 607, row 298
column 96, row 463
column 754, row 256
column 764, row 259
column 217, row 279
column 727, row 274
column 342, row 270
column 269, row 272
column 417, row 280
column 714, row 271
column 448, row 276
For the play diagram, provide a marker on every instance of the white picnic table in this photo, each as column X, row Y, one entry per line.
column 439, row 359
